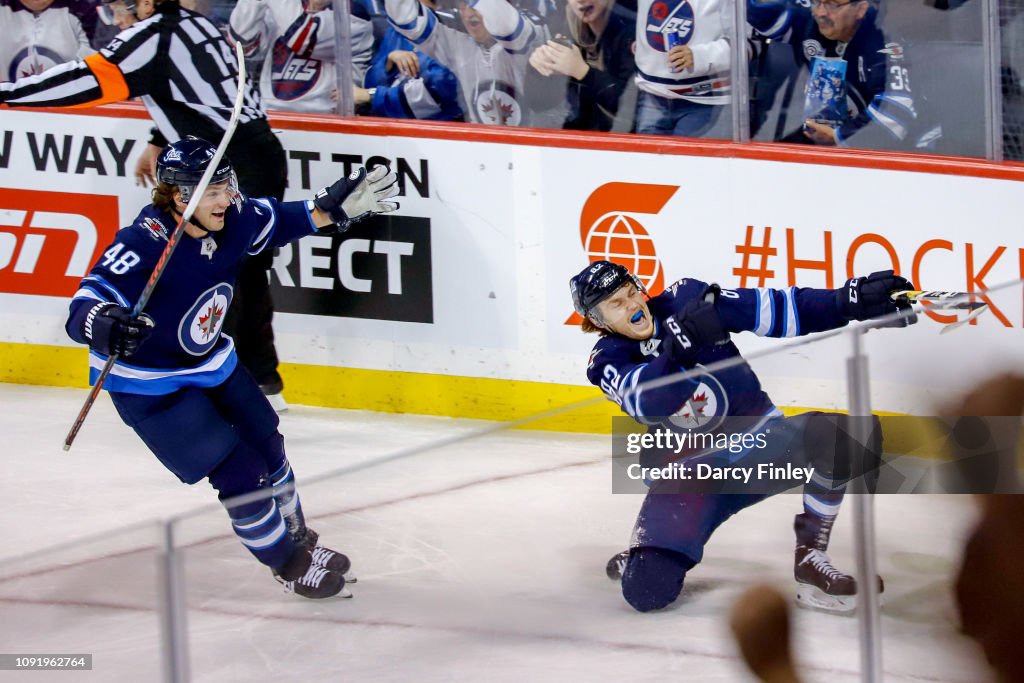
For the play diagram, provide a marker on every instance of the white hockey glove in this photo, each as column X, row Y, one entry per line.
column 359, row 195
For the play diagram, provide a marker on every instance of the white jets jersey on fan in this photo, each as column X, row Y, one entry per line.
column 298, row 72
column 490, row 78
column 33, row 43
column 702, row 25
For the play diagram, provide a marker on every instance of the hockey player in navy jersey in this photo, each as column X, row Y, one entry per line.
column 177, row 381
column 689, row 326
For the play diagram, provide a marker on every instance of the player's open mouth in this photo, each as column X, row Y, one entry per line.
column 586, row 10
column 637, row 317
column 219, row 215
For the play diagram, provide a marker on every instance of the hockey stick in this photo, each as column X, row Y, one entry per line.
column 172, row 244
column 950, row 300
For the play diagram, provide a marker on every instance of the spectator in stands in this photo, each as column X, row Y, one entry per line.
column 598, row 62
column 489, row 59
column 404, row 83
column 874, row 105
column 683, row 59
column 296, row 38
column 39, row 34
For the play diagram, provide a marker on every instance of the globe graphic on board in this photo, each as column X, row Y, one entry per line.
column 620, row 238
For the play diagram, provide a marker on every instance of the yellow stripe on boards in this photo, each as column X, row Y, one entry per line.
column 419, row 393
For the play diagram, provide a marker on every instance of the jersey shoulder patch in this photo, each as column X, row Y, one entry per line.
column 685, row 286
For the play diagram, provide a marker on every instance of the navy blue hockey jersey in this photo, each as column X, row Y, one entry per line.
column 189, row 303
column 619, row 366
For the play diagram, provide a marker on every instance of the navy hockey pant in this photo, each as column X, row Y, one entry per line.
column 672, row 528
column 227, row 433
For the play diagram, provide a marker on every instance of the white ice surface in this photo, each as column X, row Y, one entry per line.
column 480, row 562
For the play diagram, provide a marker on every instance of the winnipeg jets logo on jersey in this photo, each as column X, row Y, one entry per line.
column 666, row 17
column 292, row 76
column 496, row 104
column 706, row 406
column 200, row 326
column 29, row 62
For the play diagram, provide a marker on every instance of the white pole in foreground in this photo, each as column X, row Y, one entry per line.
column 174, row 632
column 868, row 612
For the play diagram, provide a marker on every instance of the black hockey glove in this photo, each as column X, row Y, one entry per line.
column 697, row 326
column 864, row 298
column 111, row 329
column 359, row 195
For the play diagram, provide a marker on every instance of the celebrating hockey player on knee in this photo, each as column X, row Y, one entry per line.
column 864, row 298
column 110, row 329
column 648, row 340
column 361, row 194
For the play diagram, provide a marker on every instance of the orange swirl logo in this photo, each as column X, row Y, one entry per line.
column 609, row 232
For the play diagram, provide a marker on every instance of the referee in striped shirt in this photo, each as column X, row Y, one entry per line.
column 181, row 66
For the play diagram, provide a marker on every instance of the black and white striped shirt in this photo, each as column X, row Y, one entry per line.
column 177, row 61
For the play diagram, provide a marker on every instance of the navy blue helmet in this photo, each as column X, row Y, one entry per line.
column 183, row 163
column 597, row 282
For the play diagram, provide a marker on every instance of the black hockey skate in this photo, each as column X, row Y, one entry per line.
column 327, row 558
column 302, row 576
column 617, row 565
column 822, row 587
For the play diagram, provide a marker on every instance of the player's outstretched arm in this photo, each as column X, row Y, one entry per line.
column 352, row 199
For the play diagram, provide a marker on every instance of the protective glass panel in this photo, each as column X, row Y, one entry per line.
column 890, row 76
column 99, row 597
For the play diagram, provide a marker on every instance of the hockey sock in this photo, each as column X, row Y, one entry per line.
column 287, row 497
column 259, row 525
column 265, row 535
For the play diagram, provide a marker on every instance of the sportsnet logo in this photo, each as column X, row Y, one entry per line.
column 609, row 231
column 47, row 252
